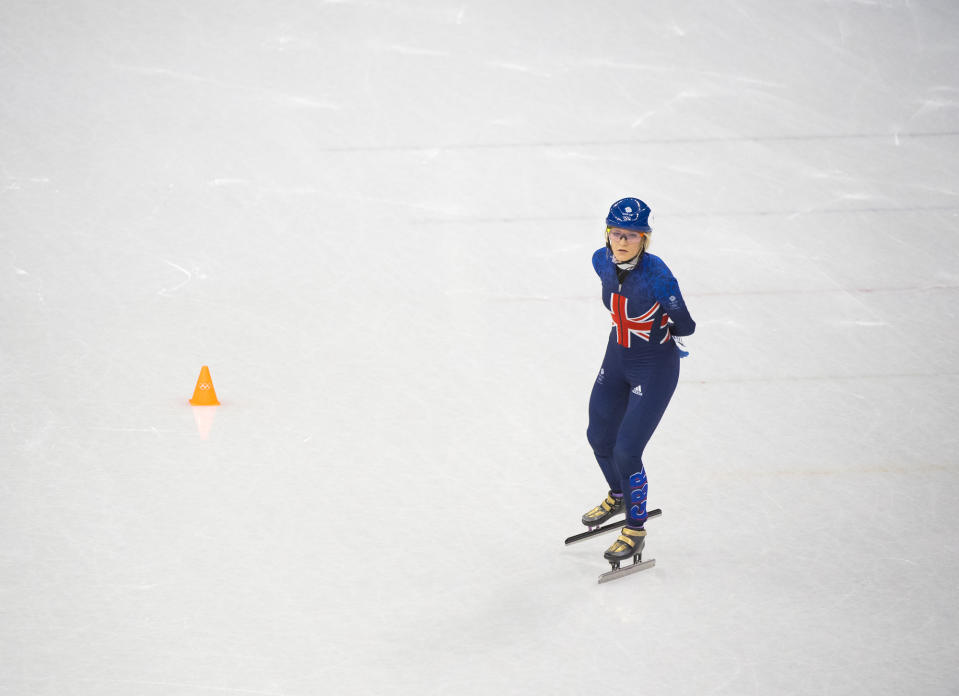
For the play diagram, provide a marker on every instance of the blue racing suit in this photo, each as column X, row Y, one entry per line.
column 639, row 372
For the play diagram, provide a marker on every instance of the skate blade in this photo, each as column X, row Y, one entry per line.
column 582, row 536
column 627, row 570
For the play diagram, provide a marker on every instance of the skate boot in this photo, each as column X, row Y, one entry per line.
column 602, row 512
column 630, row 544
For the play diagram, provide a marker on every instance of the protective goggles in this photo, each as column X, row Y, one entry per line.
column 631, row 236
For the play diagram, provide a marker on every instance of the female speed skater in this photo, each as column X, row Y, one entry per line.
column 640, row 369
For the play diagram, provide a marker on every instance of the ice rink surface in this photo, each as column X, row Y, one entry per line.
column 374, row 222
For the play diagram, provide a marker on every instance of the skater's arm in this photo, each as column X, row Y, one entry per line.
column 672, row 301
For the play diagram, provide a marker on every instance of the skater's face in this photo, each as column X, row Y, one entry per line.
column 625, row 243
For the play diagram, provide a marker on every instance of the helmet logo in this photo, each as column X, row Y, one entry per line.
column 628, row 209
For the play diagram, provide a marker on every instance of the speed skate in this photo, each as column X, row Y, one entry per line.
column 617, row 568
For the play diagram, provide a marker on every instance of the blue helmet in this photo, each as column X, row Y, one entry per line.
column 630, row 214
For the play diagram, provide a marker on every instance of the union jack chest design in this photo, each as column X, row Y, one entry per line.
column 628, row 327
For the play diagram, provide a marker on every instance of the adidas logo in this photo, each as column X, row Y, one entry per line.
column 638, row 391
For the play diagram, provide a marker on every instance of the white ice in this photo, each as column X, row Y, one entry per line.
column 374, row 222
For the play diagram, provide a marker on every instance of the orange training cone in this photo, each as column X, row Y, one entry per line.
column 204, row 394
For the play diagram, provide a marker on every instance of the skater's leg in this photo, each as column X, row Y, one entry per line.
column 607, row 404
column 652, row 388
